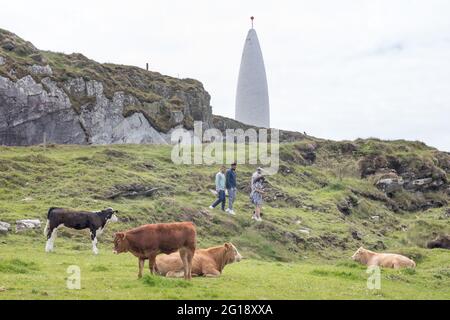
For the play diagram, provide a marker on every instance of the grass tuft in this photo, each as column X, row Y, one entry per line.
column 160, row 282
column 17, row 266
column 334, row 273
column 99, row 268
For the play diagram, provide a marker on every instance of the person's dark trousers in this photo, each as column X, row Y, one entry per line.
column 220, row 199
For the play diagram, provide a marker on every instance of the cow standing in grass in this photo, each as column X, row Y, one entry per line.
column 146, row 241
column 94, row 221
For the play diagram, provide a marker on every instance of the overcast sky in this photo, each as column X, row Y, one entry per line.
column 336, row 69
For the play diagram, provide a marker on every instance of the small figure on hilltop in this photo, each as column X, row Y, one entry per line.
column 231, row 187
column 220, row 188
column 257, row 192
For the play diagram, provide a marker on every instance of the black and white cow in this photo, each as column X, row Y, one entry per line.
column 94, row 221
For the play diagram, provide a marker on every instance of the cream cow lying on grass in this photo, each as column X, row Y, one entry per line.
column 385, row 260
column 206, row 262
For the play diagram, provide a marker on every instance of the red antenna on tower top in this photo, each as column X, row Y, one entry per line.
column 252, row 18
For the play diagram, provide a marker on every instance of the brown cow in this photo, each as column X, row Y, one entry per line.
column 146, row 241
column 206, row 262
column 386, row 260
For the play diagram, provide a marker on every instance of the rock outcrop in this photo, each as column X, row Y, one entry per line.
column 32, row 111
column 4, row 227
column 27, row 224
column 69, row 99
column 389, row 182
column 412, row 173
column 413, row 180
column 28, row 112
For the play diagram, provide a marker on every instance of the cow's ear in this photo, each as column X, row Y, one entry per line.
column 227, row 245
column 120, row 235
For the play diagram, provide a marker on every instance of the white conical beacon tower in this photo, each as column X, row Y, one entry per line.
column 252, row 96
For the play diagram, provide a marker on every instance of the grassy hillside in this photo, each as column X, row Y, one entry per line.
column 319, row 210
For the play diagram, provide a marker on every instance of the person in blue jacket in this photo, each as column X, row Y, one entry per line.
column 231, row 187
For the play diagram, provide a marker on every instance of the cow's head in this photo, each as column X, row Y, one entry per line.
column 110, row 214
column 359, row 255
column 120, row 242
column 231, row 253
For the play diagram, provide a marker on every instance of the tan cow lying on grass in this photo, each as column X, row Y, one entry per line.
column 386, row 260
column 206, row 262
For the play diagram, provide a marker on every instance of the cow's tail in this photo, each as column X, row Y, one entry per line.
column 48, row 221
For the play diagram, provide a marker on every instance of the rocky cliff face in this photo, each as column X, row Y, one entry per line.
column 69, row 99
column 27, row 111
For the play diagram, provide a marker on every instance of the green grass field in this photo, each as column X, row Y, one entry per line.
column 281, row 261
column 30, row 273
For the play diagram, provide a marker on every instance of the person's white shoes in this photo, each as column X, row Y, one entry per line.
column 228, row 210
column 211, row 207
column 231, row 212
column 254, row 217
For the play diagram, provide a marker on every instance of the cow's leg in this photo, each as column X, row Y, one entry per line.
column 209, row 270
column 212, row 273
column 141, row 267
column 94, row 241
column 51, row 236
column 48, row 244
column 152, row 263
column 175, row 274
column 184, row 259
column 189, row 256
column 178, row 274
